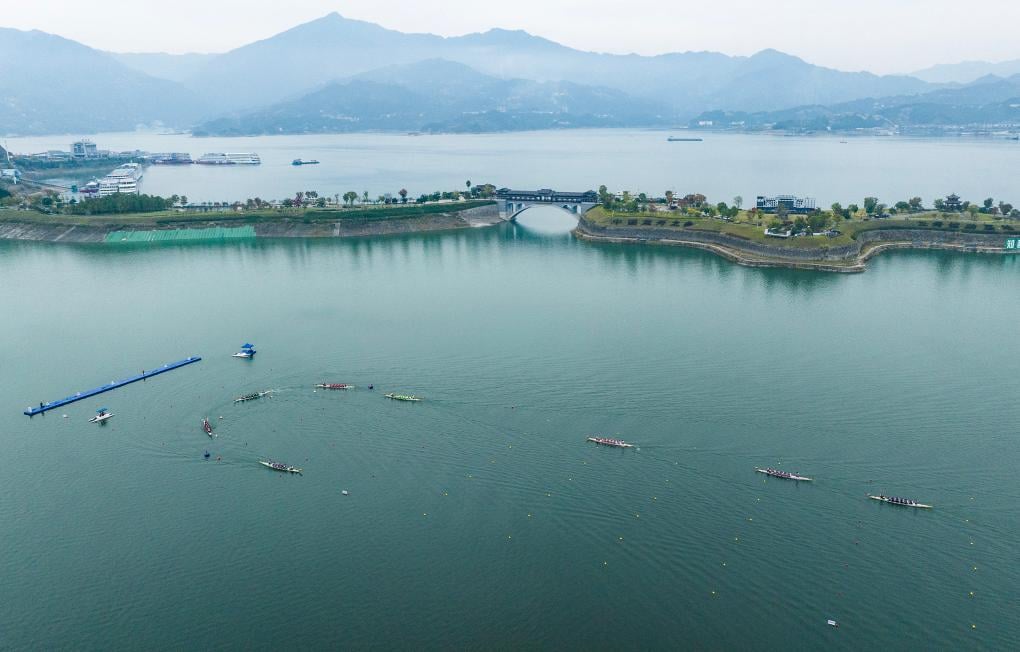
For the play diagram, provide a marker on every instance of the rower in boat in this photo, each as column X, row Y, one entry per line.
column 252, row 397
column 609, row 441
column 207, row 427
column 335, row 386
column 403, row 397
column 894, row 500
column 101, row 416
column 785, row 475
column 280, row 466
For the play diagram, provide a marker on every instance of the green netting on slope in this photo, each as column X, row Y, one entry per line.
column 178, row 235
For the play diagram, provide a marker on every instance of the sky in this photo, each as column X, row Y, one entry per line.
column 883, row 36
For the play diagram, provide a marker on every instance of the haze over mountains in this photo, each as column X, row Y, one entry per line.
column 337, row 74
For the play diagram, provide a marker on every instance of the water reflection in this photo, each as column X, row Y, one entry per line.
column 546, row 220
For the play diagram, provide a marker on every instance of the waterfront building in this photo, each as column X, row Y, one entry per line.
column 792, row 204
column 953, row 204
column 84, row 149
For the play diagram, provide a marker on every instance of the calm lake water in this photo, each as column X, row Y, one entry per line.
column 722, row 166
column 480, row 518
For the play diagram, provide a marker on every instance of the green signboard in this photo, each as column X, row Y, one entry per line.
column 1012, row 243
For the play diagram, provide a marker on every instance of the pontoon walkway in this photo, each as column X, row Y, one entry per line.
column 43, row 407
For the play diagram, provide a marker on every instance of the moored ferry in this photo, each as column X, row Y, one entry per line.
column 123, row 179
column 229, row 158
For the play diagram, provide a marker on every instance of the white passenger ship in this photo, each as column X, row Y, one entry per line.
column 124, row 179
column 229, row 158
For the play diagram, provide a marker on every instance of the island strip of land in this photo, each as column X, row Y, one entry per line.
column 743, row 240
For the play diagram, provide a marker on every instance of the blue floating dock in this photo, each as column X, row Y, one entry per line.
column 43, row 407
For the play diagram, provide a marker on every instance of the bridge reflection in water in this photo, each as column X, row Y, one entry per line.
column 512, row 202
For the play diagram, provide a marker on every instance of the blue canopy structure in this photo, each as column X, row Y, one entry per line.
column 247, row 346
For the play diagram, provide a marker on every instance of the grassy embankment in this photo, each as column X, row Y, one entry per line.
column 746, row 227
column 226, row 216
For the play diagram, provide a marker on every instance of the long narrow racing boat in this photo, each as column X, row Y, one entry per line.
column 279, row 466
column 335, row 386
column 403, row 397
column 609, row 441
column 785, row 475
column 905, row 502
column 252, row 397
column 207, row 427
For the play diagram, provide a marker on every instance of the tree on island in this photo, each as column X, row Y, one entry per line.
column 349, row 197
column 738, row 201
column 817, row 221
column 468, row 184
column 403, row 195
column 364, row 197
column 870, row 204
column 916, row 204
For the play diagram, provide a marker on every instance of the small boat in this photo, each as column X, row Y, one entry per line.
column 300, row 161
column 279, row 466
column 676, row 139
column 205, row 455
column 785, row 475
column 247, row 351
column 101, row 416
column 252, row 397
column 609, row 441
column 207, row 427
column 335, row 386
column 905, row 502
column 403, row 397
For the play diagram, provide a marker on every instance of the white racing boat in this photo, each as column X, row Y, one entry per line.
column 403, row 397
column 101, row 416
column 609, row 441
column 279, row 466
column 905, row 502
column 785, row 475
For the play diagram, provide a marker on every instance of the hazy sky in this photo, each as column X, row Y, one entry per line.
column 879, row 35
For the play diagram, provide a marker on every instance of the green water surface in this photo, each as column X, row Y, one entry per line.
column 480, row 518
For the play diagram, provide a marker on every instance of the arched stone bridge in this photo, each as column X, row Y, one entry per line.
column 513, row 202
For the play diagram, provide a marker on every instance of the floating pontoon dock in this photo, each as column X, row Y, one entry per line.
column 43, row 407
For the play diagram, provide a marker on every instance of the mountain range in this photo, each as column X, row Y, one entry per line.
column 988, row 101
column 967, row 71
column 338, row 74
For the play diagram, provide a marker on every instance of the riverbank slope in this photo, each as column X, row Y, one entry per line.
column 300, row 223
